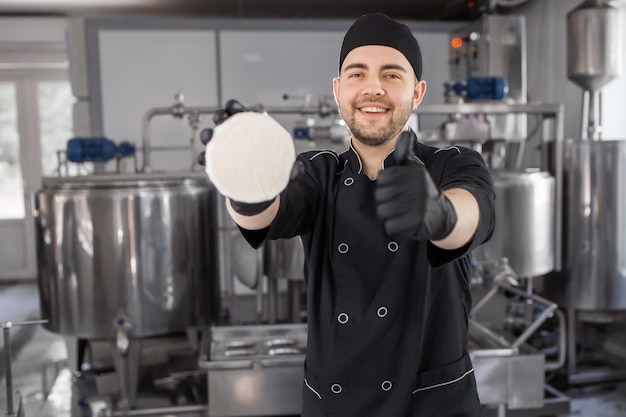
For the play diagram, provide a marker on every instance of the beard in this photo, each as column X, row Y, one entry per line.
column 371, row 135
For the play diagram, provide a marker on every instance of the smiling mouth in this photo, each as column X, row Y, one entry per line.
column 373, row 109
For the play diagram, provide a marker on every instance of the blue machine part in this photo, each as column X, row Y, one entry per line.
column 482, row 88
column 97, row 149
column 302, row 132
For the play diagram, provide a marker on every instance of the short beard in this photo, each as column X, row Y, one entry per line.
column 382, row 135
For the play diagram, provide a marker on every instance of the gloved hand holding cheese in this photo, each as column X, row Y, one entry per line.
column 249, row 158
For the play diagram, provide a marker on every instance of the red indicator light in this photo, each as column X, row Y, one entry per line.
column 470, row 4
column 456, row 43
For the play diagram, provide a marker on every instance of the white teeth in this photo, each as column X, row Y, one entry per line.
column 373, row 110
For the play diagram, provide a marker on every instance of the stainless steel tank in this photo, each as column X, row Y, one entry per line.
column 525, row 215
column 595, row 211
column 284, row 259
column 594, row 42
column 140, row 248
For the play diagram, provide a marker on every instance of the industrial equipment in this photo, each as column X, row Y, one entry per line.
column 493, row 46
column 256, row 370
column 592, row 285
column 123, row 257
column 525, row 232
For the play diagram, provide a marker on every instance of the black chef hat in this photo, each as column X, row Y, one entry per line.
column 378, row 29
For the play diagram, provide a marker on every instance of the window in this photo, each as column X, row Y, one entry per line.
column 11, row 181
column 55, row 122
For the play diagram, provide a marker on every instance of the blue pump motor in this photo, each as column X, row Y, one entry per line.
column 97, row 149
column 482, row 88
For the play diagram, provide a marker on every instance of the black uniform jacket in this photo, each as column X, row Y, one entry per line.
column 387, row 316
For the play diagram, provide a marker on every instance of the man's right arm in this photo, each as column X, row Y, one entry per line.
column 257, row 221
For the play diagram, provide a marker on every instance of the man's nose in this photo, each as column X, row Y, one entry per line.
column 373, row 87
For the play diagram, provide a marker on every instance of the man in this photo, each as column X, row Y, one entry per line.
column 387, row 228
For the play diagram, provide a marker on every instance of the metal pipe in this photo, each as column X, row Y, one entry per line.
column 272, row 300
column 303, row 110
column 156, row 411
column 145, row 133
column 8, row 375
column 559, row 130
column 595, row 129
column 550, row 307
column 496, row 338
column 584, row 119
column 483, row 301
column 178, row 110
column 560, row 361
column 571, row 338
column 259, row 285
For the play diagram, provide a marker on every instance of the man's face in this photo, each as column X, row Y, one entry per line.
column 376, row 92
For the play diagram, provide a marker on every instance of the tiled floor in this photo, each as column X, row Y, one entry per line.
column 35, row 351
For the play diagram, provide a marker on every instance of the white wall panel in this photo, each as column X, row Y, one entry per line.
column 142, row 69
column 261, row 66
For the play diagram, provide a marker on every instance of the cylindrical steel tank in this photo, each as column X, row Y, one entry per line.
column 138, row 249
column 284, row 259
column 595, row 228
column 525, row 215
column 594, row 42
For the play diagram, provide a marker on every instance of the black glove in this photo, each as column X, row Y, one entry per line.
column 408, row 201
column 250, row 209
column 247, row 209
column 232, row 106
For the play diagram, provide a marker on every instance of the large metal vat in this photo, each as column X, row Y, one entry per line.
column 525, row 216
column 138, row 250
column 594, row 44
column 595, row 211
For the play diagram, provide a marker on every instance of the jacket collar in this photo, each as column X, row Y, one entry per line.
column 355, row 165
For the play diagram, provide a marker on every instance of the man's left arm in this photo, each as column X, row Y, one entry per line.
column 468, row 215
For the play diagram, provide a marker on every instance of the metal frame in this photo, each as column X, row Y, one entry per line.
column 6, row 332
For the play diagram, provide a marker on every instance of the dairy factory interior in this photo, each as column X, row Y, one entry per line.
column 125, row 288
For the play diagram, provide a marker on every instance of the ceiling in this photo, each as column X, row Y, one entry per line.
column 324, row 9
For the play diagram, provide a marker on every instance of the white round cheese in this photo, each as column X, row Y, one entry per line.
column 249, row 158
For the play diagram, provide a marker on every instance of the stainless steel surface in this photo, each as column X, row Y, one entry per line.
column 265, row 379
column 525, row 214
column 284, row 259
column 595, row 260
column 508, row 376
column 258, row 339
column 594, row 44
column 244, row 260
column 197, row 410
column 137, row 249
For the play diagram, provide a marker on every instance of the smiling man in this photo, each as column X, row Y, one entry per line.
column 387, row 226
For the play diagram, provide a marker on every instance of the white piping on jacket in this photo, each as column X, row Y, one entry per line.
column 311, row 388
column 444, row 383
column 323, row 152
column 357, row 157
column 448, row 149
